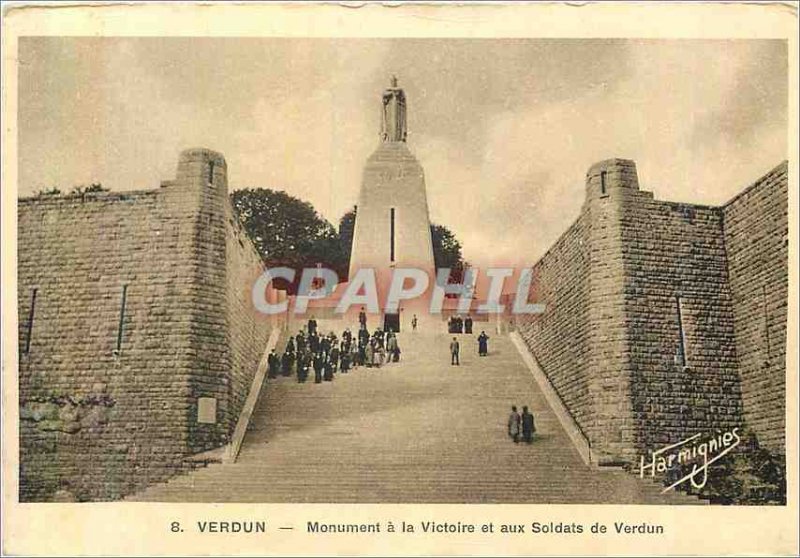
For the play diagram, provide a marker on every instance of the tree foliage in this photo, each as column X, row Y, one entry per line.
column 347, row 227
column 78, row 190
column 447, row 252
column 92, row 188
column 54, row 191
column 288, row 232
column 749, row 475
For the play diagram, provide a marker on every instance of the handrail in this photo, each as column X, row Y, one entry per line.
column 567, row 409
column 250, row 403
column 579, row 438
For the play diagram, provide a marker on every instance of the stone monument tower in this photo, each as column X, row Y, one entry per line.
column 392, row 227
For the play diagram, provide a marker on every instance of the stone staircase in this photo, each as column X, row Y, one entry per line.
column 415, row 431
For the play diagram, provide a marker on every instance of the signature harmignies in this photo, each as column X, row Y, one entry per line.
column 700, row 454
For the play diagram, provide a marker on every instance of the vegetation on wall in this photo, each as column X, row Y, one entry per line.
column 749, row 475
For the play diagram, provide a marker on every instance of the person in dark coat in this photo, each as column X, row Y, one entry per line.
column 362, row 354
column 287, row 360
column 528, row 426
column 325, row 345
column 454, row 348
column 483, row 344
column 345, row 357
column 312, row 326
column 303, row 366
column 468, row 324
column 313, row 343
column 290, row 346
column 319, row 362
column 300, row 341
column 362, row 318
column 327, row 369
column 334, row 356
column 363, row 335
column 513, row 424
column 274, row 363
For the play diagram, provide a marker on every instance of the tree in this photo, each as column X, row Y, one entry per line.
column 347, row 227
column 447, row 252
column 288, row 232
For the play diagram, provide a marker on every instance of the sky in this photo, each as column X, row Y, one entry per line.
column 505, row 129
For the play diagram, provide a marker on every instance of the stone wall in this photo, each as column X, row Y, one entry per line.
column 680, row 322
column 100, row 419
column 664, row 320
column 757, row 243
column 202, row 198
column 248, row 330
column 609, row 184
column 559, row 338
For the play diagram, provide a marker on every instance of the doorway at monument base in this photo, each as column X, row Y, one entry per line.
column 391, row 321
column 327, row 309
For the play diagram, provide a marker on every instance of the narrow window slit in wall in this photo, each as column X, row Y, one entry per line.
column 687, row 212
column 211, row 172
column 29, row 332
column 391, row 235
column 682, row 357
column 603, row 182
column 120, row 329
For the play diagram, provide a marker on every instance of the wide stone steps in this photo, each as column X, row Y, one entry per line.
column 416, row 431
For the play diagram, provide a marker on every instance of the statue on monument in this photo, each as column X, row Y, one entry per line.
column 393, row 125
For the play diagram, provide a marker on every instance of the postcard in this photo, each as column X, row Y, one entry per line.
column 400, row 279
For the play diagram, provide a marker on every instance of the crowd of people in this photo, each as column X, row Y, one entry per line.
column 311, row 351
column 325, row 355
column 457, row 324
